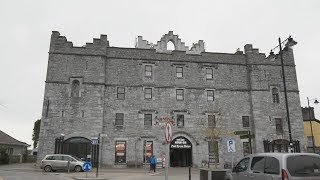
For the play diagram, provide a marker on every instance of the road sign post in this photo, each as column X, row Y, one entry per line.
column 87, row 167
column 231, row 147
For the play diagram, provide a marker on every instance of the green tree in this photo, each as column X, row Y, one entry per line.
column 35, row 134
column 4, row 157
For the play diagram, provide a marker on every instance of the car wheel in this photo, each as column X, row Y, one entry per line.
column 77, row 169
column 47, row 168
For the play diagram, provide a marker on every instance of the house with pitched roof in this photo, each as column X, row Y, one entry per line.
column 13, row 146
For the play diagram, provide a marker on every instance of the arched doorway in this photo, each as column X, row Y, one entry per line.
column 77, row 146
column 180, row 152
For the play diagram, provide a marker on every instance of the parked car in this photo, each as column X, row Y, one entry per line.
column 277, row 166
column 53, row 162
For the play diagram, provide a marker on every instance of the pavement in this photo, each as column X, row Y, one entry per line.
column 110, row 173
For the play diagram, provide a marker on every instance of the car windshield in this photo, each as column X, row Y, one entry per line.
column 78, row 159
column 303, row 165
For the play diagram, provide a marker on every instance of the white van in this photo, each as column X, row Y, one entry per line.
column 277, row 166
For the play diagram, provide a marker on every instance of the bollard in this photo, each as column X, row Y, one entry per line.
column 69, row 166
column 189, row 172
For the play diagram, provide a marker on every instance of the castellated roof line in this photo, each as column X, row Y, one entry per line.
column 161, row 46
column 144, row 49
column 61, row 44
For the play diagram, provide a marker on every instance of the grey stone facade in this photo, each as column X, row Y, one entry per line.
column 242, row 84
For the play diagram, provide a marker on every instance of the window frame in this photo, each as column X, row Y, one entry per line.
column 178, row 95
column 179, row 118
column 119, row 119
column 209, row 95
column 275, row 95
column 147, row 71
column 279, row 123
column 209, row 75
column 178, row 73
column 213, row 122
column 146, row 93
column 116, row 159
column 75, row 88
column 245, row 118
column 145, row 150
column 146, row 121
column 211, row 149
column 120, row 94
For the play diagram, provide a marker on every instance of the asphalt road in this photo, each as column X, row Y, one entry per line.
column 31, row 172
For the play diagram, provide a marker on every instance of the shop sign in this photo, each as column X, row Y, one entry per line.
column 180, row 143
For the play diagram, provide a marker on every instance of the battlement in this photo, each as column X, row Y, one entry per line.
column 255, row 57
column 60, row 44
column 161, row 46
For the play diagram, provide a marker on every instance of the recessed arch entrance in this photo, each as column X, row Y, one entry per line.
column 180, row 152
column 77, row 146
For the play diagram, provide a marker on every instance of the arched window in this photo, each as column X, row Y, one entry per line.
column 170, row 46
column 275, row 95
column 75, row 88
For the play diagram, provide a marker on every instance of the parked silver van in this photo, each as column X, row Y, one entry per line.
column 277, row 166
column 53, row 162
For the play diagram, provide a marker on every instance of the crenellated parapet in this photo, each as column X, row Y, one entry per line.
column 60, row 44
column 161, row 45
column 253, row 56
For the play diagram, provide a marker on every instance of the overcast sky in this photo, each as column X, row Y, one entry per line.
column 224, row 26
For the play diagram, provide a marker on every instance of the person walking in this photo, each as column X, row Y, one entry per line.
column 153, row 163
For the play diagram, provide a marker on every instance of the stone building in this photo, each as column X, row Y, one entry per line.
column 123, row 94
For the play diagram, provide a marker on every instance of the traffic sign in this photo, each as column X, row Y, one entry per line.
column 87, row 166
column 231, row 145
column 241, row 132
column 168, row 132
column 95, row 140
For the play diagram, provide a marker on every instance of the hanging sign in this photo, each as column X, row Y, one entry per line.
column 168, row 133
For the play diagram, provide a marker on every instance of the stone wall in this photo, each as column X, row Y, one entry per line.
column 242, row 85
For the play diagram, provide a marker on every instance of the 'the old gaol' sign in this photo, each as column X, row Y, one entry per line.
column 180, row 143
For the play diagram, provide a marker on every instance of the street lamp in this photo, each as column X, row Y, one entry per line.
column 310, row 119
column 289, row 42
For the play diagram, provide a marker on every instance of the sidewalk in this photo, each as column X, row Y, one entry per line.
column 115, row 174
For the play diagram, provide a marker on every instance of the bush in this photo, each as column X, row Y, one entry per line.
column 4, row 156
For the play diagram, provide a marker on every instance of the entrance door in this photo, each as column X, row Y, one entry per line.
column 77, row 146
column 180, row 152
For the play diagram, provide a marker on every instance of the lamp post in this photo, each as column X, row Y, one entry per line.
column 310, row 119
column 289, row 42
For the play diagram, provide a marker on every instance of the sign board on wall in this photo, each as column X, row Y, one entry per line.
column 180, row 143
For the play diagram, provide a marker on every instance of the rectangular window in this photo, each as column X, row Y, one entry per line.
column 279, row 127
column 211, row 121
column 245, row 121
column 210, row 95
column 120, row 93
column 180, row 120
column 179, row 72
column 209, row 73
column 147, row 120
column 119, row 120
column 246, row 148
column 213, row 151
column 147, row 150
column 148, row 93
column 180, row 94
column 148, row 70
column 10, row 151
column 310, row 144
column 120, row 152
